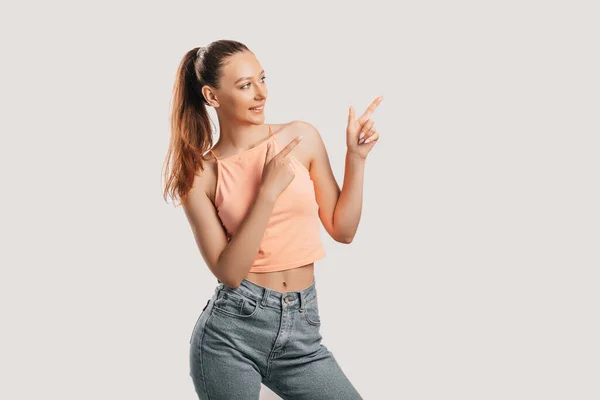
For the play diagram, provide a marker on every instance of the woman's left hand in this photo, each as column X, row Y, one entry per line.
column 361, row 146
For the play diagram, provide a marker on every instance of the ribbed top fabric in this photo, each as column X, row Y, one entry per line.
column 292, row 236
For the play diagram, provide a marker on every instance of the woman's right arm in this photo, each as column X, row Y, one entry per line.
column 229, row 262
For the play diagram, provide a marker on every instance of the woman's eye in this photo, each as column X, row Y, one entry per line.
column 244, row 86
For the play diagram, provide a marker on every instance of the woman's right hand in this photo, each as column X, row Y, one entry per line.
column 277, row 173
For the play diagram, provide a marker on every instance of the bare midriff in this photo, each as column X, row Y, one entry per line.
column 285, row 281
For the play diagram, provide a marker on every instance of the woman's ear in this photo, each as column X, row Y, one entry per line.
column 210, row 97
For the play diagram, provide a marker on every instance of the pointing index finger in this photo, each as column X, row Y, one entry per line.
column 290, row 146
column 370, row 109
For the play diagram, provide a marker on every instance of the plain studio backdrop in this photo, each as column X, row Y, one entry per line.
column 475, row 270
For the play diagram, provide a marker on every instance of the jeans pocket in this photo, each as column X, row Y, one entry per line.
column 236, row 305
column 311, row 313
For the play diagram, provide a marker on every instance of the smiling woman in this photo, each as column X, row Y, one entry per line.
column 241, row 90
column 255, row 210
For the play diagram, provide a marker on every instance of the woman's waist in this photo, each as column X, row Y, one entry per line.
column 296, row 278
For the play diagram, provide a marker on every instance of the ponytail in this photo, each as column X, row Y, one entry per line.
column 191, row 133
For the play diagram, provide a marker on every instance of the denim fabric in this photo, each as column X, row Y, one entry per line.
column 251, row 334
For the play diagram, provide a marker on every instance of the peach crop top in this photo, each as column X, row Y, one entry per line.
column 291, row 238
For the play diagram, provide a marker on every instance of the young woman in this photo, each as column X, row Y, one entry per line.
column 255, row 201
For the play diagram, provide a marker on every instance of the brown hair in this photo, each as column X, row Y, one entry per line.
column 191, row 134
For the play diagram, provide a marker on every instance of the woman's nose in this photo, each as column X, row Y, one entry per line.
column 262, row 92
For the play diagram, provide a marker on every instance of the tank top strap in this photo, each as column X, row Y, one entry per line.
column 214, row 155
column 272, row 134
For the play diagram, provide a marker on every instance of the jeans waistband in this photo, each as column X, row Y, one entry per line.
column 272, row 298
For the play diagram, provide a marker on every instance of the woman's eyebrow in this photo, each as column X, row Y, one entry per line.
column 247, row 77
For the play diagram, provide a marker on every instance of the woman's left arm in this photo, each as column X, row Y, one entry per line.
column 340, row 211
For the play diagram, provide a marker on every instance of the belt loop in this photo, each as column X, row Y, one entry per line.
column 301, row 301
column 266, row 294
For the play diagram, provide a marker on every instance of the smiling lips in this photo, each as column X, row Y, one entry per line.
column 258, row 109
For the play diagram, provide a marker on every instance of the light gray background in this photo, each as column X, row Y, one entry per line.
column 474, row 273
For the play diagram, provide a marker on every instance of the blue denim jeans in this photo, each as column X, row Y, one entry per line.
column 251, row 334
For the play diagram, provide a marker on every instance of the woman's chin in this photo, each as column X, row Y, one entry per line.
column 257, row 117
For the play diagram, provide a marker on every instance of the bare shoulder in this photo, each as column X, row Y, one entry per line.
column 306, row 128
column 206, row 178
column 312, row 141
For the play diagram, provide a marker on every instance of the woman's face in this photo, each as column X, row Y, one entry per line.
column 242, row 88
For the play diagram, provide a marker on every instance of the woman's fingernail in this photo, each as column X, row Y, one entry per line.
column 361, row 141
column 368, row 140
column 361, row 135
